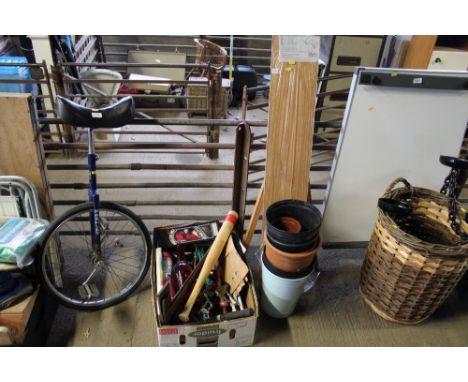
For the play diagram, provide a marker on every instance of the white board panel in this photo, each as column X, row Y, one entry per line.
column 388, row 132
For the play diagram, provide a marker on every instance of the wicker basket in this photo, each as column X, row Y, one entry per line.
column 202, row 103
column 405, row 279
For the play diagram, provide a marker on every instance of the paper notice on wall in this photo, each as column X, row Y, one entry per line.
column 299, row 48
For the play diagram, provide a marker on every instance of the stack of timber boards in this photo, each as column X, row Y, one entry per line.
column 293, row 90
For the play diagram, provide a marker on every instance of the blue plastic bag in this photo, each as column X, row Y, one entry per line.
column 18, row 236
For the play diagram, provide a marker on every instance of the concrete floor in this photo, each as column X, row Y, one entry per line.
column 331, row 314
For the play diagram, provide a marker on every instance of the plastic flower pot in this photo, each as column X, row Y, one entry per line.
column 281, row 290
column 290, row 261
column 283, row 219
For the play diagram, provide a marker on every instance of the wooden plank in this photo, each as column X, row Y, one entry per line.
column 5, row 336
column 290, row 128
column 16, row 317
column 254, row 217
column 419, row 52
column 20, row 152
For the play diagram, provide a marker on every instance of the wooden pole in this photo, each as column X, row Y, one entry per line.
column 254, row 217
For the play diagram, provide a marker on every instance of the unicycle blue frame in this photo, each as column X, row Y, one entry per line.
column 93, row 196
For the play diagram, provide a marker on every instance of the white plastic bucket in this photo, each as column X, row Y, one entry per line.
column 280, row 290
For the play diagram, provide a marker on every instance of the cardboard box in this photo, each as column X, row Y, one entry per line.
column 237, row 332
column 16, row 317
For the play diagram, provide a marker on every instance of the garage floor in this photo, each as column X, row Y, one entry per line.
column 331, row 314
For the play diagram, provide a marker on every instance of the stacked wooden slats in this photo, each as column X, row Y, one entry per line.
column 293, row 89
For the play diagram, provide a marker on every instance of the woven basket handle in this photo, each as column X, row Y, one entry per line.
column 395, row 182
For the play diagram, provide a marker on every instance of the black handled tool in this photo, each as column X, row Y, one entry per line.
column 395, row 208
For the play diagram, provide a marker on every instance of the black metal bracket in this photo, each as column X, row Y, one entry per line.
column 413, row 80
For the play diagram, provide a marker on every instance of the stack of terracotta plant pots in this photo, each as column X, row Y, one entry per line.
column 292, row 242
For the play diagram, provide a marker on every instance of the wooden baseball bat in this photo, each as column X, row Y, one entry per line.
column 210, row 261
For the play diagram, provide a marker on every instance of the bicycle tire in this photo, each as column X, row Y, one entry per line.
column 57, row 223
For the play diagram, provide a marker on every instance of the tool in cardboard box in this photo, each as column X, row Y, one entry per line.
column 167, row 273
column 205, row 310
column 210, row 261
column 168, row 308
column 204, row 313
column 205, row 232
column 199, row 253
column 181, row 271
column 235, row 270
column 159, row 270
column 240, row 302
column 231, row 316
column 222, row 294
column 232, row 301
column 223, row 303
column 166, row 238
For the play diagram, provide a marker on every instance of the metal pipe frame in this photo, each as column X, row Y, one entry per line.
column 194, row 55
column 167, row 110
column 165, row 147
column 139, row 203
column 169, row 166
column 28, row 65
column 132, row 65
column 196, row 122
column 179, row 46
column 13, row 81
column 137, row 132
column 84, row 186
column 71, row 80
column 253, row 106
column 333, row 92
column 200, row 152
column 103, row 146
column 115, row 53
column 177, row 122
column 243, row 38
column 135, row 203
column 71, row 96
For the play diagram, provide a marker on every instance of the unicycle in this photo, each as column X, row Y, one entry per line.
column 96, row 254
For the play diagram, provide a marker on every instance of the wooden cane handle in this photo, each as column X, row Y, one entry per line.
column 210, row 262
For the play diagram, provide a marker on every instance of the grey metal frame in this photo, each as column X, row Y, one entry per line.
column 25, row 189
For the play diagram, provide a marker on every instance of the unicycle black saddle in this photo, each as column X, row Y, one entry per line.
column 116, row 115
